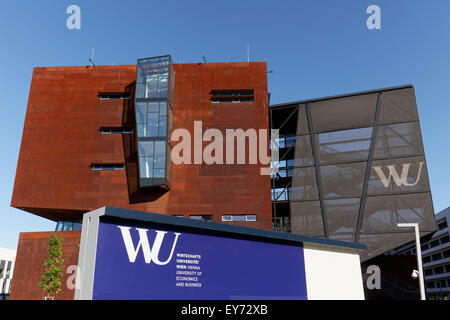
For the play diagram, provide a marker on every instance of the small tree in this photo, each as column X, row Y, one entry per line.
column 51, row 280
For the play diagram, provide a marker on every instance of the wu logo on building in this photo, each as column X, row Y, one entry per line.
column 151, row 253
column 399, row 179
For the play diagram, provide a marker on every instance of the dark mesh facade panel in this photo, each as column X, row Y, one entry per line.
column 302, row 123
column 398, row 140
column 306, row 218
column 378, row 244
column 383, row 213
column 343, row 180
column 304, row 185
column 331, row 167
column 342, row 215
column 343, row 237
column 344, row 145
column 404, row 175
column 303, row 153
column 343, row 113
column 398, row 106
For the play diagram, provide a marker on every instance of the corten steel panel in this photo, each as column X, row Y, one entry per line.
column 230, row 189
column 61, row 139
column 28, row 269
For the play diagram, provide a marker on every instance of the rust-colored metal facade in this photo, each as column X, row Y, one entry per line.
column 28, row 270
column 62, row 140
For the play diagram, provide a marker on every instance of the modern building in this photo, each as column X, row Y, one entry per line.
column 435, row 258
column 84, row 146
column 350, row 166
column 7, row 259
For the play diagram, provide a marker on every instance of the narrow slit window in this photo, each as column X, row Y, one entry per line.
column 115, row 130
column 107, row 166
column 235, row 95
column 114, row 95
column 239, row 217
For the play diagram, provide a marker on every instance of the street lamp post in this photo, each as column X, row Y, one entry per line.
column 419, row 255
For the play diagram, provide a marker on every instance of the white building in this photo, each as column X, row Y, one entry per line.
column 436, row 259
column 7, row 259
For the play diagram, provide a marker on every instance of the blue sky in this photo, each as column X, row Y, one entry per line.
column 315, row 49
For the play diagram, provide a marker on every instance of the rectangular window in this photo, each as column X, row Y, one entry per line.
column 447, row 254
column 442, row 225
column 445, row 239
column 434, row 243
column 114, row 95
column 281, row 194
column 426, row 259
column 68, row 226
column 428, row 272
column 115, row 130
column 232, row 95
column 438, row 270
column 107, row 166
column 239, row 218
column 286, row 142
column 202, row 218
column 436, row 256
column 151, row 118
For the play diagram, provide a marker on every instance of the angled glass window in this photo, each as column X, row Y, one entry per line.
column 160, row 154
column 152, row 78
column 152, row 104
column 142, row 129
column 151, row 119
column 146, row 167
column 141, row 112
column 152, row 124
column 146, row 148
column 152, row 158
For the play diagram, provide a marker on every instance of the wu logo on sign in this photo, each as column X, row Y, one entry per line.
column 150, row 253
column 399, row 180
